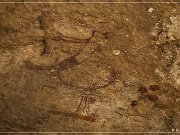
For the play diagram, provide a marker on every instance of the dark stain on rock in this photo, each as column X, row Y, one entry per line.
column 134, row 103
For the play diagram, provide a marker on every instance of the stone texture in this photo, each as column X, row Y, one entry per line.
column 59, row 70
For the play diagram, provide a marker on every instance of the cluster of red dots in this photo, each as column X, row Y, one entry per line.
column 144, row 93
column 152, row 97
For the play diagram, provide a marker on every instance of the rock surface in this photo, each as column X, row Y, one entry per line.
column 90, row 67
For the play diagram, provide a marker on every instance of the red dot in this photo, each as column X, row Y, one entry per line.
column 154, row 87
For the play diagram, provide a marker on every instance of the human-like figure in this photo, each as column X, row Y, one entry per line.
column 73, row 50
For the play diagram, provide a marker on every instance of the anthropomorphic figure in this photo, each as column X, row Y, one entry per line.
column 72, row 48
